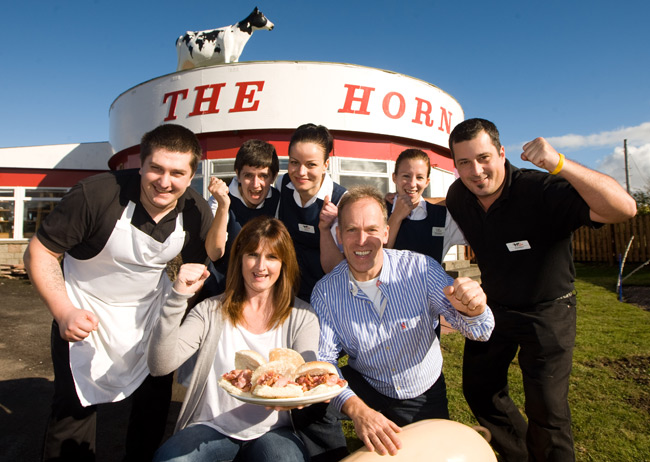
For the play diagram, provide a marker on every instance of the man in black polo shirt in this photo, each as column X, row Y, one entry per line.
column 116, row 232
column 519, row 224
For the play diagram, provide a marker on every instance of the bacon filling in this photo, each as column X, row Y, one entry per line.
column 239, row 378
column 273, row 379
column 308, row 381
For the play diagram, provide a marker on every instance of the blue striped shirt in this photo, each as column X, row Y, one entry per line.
column 399, row 353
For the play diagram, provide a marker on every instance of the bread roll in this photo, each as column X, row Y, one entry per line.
column 288, row 391
column 316, row 368
column 286, row 354
column 248, row 359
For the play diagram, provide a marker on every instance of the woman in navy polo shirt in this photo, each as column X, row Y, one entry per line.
column 415, row 224
column 306, row 190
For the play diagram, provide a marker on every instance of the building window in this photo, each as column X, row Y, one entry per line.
column 347, row 181
column 351, row 172
column 345, row 171
column 221, row 168
column 358, row 165
column 37, row 206
column 197, row 180
column 22, row 210
column 6, row 213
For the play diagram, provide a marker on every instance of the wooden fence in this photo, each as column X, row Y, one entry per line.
column 604, row 245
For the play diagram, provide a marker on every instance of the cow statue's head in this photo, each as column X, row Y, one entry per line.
column 255, row 21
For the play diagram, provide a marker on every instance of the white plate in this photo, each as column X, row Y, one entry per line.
column 288, row 402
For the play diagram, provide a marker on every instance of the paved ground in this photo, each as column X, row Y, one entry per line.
column 26, row 381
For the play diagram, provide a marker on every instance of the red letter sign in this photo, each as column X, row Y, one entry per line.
column 445, row 119
column 421, row 111
column 171, row 115
column 400, row 109
column 244, row 94
column 213, row 99
column 363, row 100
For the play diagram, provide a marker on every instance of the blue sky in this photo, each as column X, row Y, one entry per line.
column 576, row 72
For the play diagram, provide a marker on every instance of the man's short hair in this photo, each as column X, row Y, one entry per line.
column 469, row 129
column 356, row 193
column 171, row 137
column 257, row 154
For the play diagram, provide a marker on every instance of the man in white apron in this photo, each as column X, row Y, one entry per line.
column 116, row 232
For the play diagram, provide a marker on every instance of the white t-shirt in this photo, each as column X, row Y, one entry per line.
column 226, row 414
column 372, row 291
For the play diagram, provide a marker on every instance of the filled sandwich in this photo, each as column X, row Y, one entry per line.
column 238, row 381
column 318, row 377
column 275, row 380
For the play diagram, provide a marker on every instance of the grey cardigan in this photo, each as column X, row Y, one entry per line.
column 172, row 343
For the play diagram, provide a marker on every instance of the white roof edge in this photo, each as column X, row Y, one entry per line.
column 78, row 156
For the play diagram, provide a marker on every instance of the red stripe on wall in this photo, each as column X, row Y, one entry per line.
column 224, row 145
column 14, row 177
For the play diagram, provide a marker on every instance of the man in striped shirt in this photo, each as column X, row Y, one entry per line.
column 381, row 307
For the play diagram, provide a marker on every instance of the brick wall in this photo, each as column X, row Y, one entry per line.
column 11, row 253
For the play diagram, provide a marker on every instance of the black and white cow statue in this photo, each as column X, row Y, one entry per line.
column 216, row 46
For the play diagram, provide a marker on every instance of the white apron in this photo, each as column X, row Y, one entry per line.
column 123, row 286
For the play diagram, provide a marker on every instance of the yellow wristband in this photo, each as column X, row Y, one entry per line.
column 560, row 164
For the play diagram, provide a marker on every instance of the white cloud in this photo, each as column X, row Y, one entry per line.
column 638, row 165
column 613, row 163
column 634, row 135
column 583, row 147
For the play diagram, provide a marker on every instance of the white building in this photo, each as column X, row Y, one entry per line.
column 373, row 115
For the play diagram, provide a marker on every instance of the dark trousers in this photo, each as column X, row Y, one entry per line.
column 432, row 404
column 545, row 339
column 320, row 429
column 71, row 429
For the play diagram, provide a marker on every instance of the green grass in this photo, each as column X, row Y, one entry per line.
column 610, row 384
column 606, row 276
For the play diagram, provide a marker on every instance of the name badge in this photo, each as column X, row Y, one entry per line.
column 306, row 228
column 519, row 245
column 437, row 232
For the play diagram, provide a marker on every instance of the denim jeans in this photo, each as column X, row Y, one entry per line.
column 199, row 443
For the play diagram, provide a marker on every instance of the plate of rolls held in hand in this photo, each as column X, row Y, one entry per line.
column 286, row 380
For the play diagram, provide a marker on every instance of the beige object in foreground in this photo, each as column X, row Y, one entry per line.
column 316, row 368
column 288, row 355
column 248, row 359
column 435, row 440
